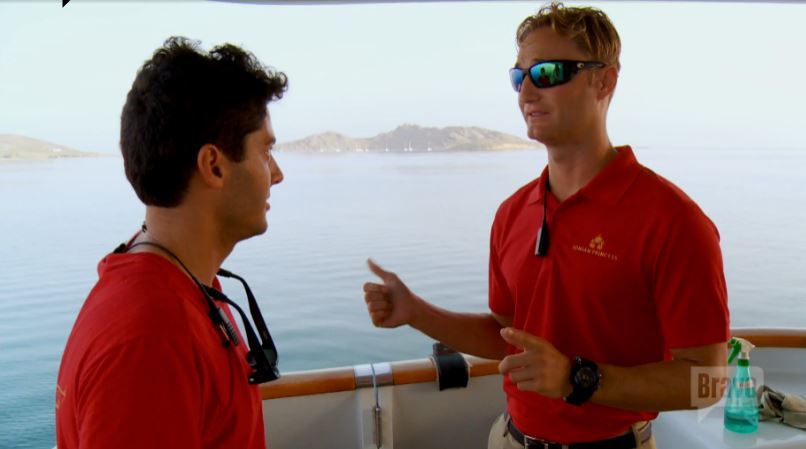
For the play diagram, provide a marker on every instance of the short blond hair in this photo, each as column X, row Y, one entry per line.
column 589, row 28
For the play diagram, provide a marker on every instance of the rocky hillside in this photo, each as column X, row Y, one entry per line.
column 15, row 147
column 412, row 138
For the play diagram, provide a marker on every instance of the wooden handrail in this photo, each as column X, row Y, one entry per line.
column 334, row 380
column 773, row 338
column 422, row 370
column 303, row 383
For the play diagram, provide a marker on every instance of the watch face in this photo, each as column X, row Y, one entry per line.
column 586, row 377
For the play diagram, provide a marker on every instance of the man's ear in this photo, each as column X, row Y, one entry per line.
column 211, row 164
column 606, row 84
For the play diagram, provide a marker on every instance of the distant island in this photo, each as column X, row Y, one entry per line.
column 21, row 148
column 403, row 139
column 411, row 139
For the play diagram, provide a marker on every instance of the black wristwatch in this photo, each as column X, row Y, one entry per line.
column 585, row 379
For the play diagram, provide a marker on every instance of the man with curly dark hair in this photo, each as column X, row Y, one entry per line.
column 154, row 359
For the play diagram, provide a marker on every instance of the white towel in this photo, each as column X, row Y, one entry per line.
column 782, row 407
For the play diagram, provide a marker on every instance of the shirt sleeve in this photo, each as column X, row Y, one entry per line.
column 500, row 298
column 689, row 283
column 145, row 392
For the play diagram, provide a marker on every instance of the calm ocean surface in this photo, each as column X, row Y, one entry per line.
column 426, row 216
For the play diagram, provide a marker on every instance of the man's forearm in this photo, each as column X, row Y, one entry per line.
column 471, row 333
column 662, row 386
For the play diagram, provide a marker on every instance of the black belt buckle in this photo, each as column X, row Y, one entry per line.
column 535, row 443
column 626, row 440
column 531, row 442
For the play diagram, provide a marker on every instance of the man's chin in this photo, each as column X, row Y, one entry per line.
column 538, row 136
column 255, row 231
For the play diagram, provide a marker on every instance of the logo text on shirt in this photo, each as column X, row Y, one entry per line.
column 595, row 248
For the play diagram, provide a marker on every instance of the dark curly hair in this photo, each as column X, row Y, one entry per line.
column 182, row 99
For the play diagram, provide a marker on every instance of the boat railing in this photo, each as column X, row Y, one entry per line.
column 330, row 380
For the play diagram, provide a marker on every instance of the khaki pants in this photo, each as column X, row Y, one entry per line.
column 501, row 439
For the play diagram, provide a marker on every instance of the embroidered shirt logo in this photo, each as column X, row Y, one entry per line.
column 597, row 243
column 595, row 248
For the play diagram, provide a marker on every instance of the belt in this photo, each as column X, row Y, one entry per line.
column 625, row 441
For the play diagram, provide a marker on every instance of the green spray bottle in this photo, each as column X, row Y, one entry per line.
column 741, row 408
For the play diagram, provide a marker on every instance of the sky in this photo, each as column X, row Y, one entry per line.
column 693, row 74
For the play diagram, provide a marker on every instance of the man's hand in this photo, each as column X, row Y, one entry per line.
column 540, row 368
column 390, row 304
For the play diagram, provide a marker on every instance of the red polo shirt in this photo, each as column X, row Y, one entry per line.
column 633, row 270
column 144, row 367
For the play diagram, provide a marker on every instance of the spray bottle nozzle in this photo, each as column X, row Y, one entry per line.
column 738, row 345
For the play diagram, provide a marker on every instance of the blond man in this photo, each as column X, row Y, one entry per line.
column 606, row 287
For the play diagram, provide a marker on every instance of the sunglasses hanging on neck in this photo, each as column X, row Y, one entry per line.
column 262, row 355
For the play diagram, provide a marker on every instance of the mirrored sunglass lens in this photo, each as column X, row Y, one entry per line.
column 547, row 74
column 516, row 78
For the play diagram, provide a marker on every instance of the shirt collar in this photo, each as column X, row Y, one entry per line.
column 609, row 185
column 536, row 195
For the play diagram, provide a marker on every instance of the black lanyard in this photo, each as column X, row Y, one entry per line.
column 262, row 355
column 542, row 245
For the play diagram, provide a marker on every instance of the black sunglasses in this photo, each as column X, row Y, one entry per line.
column 262, row 355
column 551, row 73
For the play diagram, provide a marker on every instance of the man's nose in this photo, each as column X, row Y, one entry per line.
column 528, row 88
column 276, row 174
